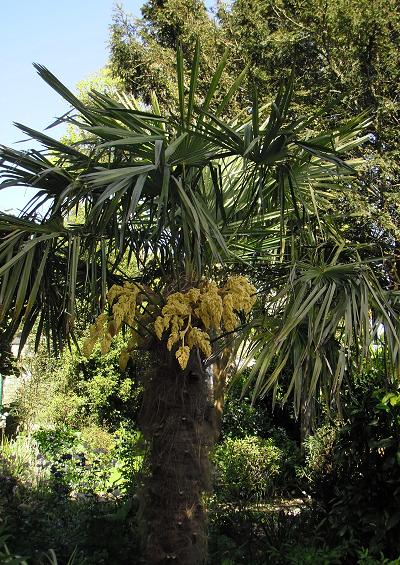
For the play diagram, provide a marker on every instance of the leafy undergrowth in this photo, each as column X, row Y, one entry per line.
column 281, row 533
column 60, row 490
column 56, row 496
column 74, row 491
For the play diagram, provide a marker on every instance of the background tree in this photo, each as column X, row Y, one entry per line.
column 143, row 50
column 344, row 52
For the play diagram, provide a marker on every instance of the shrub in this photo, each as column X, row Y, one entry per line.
column 354, row 472
column 258, row 535
column 36, row 393
column 74, row 389
column 247, row 469
column 102, row 531
column 305, row 553
column 129, row 451
column 91, row 460
column 65, row 409
column 73, row 465
column 65, row 489
column 241, row 419
column 320, row 470
column 18, row 458
column 96, row 437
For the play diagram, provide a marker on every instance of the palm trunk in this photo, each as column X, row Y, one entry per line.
column 177, row 421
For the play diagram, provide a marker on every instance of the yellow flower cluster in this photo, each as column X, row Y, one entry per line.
column 187, row 316
column 214, row 308
column 210, row 309
column 98, row 332
column 123, row 300
column 238, row 295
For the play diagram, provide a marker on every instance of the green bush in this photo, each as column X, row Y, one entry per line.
column 36, row 394
column 129, row 452
column 75, row 389
column 248, row 469
column 319, row 448
column 241, row 419
column 95, row 437
column 102, row 531
column 62, row 486
column 305, row 553
column 66, row 488
column 72, row 465
column 100, row 391
column 91, row 460
column 65, row 409
column 354, row 473
column 320, row 469
column 279, row 535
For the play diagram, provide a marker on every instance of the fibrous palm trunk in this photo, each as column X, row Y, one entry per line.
column 177, row 420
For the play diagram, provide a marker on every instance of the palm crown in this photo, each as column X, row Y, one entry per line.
column 188, row 196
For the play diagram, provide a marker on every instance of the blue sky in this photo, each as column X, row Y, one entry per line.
column 70, row 38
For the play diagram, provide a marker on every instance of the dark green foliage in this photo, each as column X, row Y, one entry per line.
column 301, row 554
column 241, row 418
column 112, row 396
column 143, row 51
column 367, row 456
column 275, row 534
column 320, row 467
column 6, row 557
column 41, row 520
column 354, row 472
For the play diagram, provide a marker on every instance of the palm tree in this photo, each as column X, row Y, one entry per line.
column 186, row 199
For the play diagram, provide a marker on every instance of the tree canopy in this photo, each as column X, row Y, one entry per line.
column 343, row 53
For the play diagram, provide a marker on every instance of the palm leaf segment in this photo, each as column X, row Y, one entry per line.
column 327, row 320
